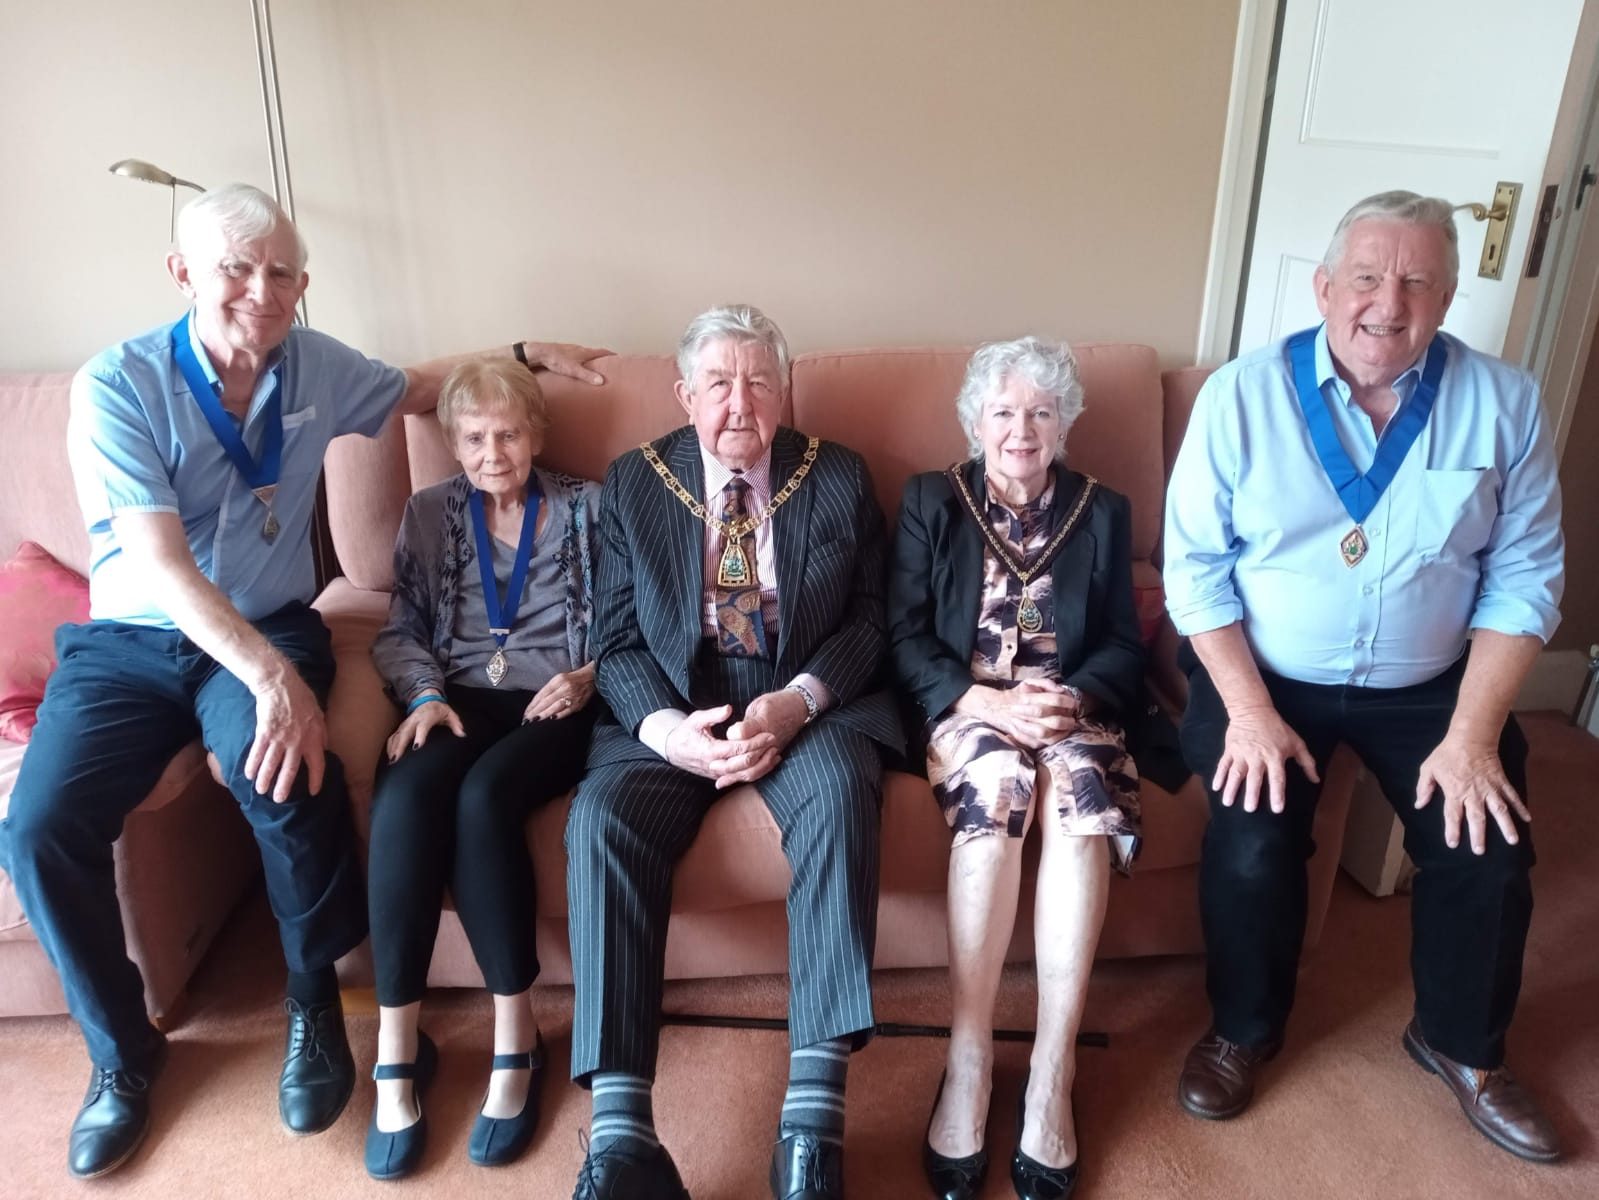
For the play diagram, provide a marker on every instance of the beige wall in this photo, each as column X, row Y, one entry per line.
column 882, row 171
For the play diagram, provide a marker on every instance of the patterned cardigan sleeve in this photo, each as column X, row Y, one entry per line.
column 401, row 651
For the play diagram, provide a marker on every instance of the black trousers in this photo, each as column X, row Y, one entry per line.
column 1469, row 913
column 454, row 813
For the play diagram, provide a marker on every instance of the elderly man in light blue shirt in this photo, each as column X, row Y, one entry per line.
column 1363, row 545
column 196, row 450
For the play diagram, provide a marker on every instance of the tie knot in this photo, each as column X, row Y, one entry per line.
column 733, row 496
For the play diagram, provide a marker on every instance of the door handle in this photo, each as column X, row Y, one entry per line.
column 1499, row 217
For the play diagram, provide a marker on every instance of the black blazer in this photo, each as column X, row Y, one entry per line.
column 935, row 589
column 829, row 542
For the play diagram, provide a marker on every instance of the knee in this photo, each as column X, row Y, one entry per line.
column 35, row 829
column 1256, row 849
column 486, row 808
column 592, row 826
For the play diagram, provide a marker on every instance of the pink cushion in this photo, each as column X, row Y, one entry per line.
column 36, row 595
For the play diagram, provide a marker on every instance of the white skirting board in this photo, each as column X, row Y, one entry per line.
column 1374, row 853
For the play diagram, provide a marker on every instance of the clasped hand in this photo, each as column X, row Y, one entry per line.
column 1034, row 714
column 1475, row 787
column 752, row 747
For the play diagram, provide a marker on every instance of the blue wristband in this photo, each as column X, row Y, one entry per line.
column 421, row 700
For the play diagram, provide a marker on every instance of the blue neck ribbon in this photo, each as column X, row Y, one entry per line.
column 502, row 613
column 258, row 475
column 1358, row 492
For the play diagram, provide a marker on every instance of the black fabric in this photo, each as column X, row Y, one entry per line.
column 454, row 812
column 1469, row 913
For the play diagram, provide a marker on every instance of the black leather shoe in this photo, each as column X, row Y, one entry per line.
column 804, row 1167
column 1031, row 1178
column 952, row 1178
column 615, row 1174
column 318, row 1070
column 497, row 1141
column 395, row 1155
column 113, row 1120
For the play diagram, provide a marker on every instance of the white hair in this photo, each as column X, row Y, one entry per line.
column 1411, row 208
column 741, row 323
column 241, row 213
column 1051, row 367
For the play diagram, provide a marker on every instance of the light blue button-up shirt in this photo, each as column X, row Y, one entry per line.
column 1466, row 537
column 138, row 442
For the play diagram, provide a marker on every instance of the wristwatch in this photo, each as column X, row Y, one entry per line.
column 811, row 707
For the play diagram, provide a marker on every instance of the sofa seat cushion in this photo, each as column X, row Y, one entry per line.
column 179, row 775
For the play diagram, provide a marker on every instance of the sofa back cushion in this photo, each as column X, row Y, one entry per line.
column 37, row 500
column 897, row 407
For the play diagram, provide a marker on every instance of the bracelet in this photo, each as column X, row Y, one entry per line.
column 519, row 349
column 425, row 698
column 811, row 707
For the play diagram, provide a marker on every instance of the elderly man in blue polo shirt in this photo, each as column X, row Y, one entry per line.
column 1363, row 545
column 196, row 450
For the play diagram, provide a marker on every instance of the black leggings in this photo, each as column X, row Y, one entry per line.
column 454, row 812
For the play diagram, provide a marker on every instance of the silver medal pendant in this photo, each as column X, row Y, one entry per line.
column 270, row 528
column 497, row 667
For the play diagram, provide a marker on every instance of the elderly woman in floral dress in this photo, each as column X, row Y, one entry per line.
column 1013, row 627
column 486, row 647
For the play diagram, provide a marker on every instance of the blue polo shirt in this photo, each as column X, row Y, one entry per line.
column 138, row 442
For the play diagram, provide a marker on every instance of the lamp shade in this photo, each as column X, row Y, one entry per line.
column 137, row 168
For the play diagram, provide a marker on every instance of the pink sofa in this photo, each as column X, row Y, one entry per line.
column 897, row 408
column 186, row 855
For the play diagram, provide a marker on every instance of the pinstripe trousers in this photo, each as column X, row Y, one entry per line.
column 630, row 822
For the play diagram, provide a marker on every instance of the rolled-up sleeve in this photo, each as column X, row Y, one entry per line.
column 1523, row 564
column 115, row 462
column 1200, row 546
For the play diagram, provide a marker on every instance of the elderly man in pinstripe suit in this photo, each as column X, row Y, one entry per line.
column 738, row 629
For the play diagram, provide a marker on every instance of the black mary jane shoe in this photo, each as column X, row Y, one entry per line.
column 498, row 1141
column 1031, row 1178
column 395, row 1155
column 952, row 1178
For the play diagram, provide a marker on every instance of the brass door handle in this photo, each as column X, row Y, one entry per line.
column 1481, row 212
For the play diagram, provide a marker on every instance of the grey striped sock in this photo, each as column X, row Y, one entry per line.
column 815, row 1098
column 623, row 1112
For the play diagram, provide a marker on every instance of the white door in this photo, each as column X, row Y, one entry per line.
column 1442, row 97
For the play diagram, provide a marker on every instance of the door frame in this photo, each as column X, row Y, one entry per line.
column 1554, row 318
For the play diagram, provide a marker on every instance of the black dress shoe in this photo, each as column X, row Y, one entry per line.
column 616, row 1174
column 395, row 1155
column 804, row 1167
column 498, row 1141
column 952, row 1178
column 318, row 1070
column 1031, row 1178
column 113, row 1120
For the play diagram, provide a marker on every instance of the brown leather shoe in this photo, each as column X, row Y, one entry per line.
column 1218, row 1079
column 1493, row 1101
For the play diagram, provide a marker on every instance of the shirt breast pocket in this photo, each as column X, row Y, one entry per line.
column 1457, row 512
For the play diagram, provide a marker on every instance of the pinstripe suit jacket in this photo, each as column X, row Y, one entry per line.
column 829, row 544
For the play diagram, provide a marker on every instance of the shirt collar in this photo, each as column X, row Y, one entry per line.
column 273, row 362
column 758, row 475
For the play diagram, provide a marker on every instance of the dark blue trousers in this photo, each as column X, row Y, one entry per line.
column 1469, row 914
column 122, row 702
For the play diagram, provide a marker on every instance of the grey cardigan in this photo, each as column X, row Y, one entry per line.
column 435, row 543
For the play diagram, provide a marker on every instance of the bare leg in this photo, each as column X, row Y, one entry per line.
column 397, row 1108
column 1073, row 878
column 515, row 1032
column 984, row 877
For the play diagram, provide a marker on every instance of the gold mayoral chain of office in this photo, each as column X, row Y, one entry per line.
column 1029, row 618
column 735, row 569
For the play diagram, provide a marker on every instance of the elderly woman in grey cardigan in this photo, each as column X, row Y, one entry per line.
column 486, row 649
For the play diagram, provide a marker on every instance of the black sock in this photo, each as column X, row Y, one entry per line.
column 311, row 988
